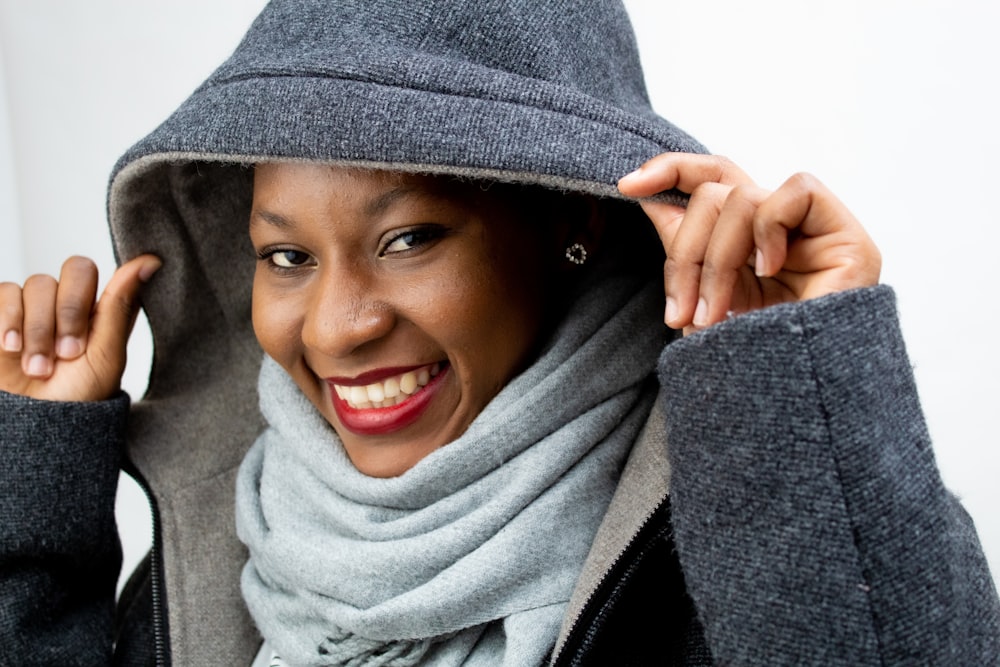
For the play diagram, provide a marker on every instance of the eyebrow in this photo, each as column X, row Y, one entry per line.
column 387, row 200
column 270, row 218
column 374, row 208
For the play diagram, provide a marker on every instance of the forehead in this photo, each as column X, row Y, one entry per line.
column 299, row 182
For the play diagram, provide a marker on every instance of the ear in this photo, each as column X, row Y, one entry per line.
column 582, row 221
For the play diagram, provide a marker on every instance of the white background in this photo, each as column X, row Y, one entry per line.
column 892, row 104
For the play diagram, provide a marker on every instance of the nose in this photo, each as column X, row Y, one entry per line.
column 345, row 315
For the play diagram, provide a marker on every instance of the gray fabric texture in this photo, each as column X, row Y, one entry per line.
column 822, row 534
column 498, row 87
column 59, row 551
column 353, row 565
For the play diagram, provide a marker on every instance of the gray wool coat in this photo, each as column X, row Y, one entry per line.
column 808, row 518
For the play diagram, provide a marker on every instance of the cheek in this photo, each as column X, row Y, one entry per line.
column 494, row 319
column 276, row 324
column 522, row 282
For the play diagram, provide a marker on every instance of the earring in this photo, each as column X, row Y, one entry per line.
column 576, row 253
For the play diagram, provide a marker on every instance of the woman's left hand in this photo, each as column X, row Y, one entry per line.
column 738, row 247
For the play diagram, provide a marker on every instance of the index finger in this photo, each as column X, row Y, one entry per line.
column 681, row 171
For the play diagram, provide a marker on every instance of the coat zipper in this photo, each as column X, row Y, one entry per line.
column 575, row 629
column 155, row 571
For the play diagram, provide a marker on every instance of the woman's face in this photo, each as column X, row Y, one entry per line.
column 400, row 304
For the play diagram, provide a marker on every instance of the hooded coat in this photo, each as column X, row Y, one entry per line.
column 781, row 506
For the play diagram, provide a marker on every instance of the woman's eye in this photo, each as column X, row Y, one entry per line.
column 287, row 259
column 410, row 239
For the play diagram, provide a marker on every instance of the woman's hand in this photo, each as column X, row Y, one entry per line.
column 56, row 343
column 738, row 247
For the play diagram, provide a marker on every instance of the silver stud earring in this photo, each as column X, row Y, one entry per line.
column 576, row 253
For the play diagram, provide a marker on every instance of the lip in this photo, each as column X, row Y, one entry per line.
column 382, row 421
column 369, row 377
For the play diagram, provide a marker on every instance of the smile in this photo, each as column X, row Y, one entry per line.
column 389, row 392
column 388, row 404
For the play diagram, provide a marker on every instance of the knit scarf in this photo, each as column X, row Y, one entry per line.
column 471, row 555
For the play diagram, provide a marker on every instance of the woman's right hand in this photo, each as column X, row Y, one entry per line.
column 56, row 343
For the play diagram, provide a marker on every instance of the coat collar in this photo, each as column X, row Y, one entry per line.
column 644, row 484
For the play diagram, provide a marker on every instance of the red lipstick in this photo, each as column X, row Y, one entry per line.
column 369, row 377
column 381, row 421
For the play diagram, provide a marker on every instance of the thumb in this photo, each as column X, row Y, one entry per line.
column 115, row 313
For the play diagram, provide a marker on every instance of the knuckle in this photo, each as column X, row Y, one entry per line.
column 868, row 266
column 681, row 256
column 743, row 191
column 37, row 332
column 723, row 163
column 727, row 169
column 803, row 180
column 124, row 307
column 875, row 257
column 681, row 276
column 710, row 189
column 749, row 195
column 119, row 304
column 710, row 269
column 708, row 196
column 72, row 312
column 11, row 311
column 671, row 268
column 740, row 195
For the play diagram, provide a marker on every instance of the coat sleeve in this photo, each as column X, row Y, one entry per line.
column 59, row 548
column 810, row 520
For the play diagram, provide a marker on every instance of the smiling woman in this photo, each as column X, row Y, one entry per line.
column 508, row 371
column 377, row 285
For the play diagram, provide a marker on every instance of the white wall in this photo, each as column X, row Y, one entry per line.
column 10, row 228
column 892, row 104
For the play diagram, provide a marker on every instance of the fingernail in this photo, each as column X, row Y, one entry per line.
column 147, row 270
column 69, row 347
column 671, row 312
column 39, row 366
column 758, row 263
column 12, row 341
column 701, row 313
column 630, row 176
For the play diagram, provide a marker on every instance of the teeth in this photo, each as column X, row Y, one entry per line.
column 408, row 383
column 357, row 395
column 391, row 388
column 390, row 392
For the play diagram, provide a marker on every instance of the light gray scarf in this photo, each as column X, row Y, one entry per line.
column 470, row 556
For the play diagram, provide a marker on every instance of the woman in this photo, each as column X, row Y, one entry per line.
column 434, row 204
